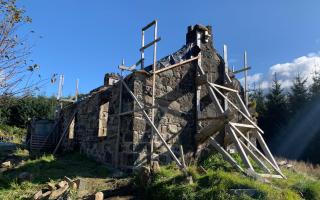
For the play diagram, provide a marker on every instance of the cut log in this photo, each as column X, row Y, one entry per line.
column 57, row 193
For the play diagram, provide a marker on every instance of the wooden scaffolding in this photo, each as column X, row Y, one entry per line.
column 238, row 131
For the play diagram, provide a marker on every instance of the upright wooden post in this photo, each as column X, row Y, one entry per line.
column 226, row 70
column 119, row 121
column 60, row 87
column 245, row 87
column 154, row 68
column 77, row 90
column 142, row 52
column 183, row 162
column 198, row 74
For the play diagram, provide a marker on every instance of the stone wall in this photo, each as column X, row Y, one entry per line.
column 96, row 123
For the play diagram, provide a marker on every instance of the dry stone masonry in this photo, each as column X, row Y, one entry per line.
column 188, row 111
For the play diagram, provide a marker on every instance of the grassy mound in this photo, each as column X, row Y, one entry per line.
column 221, row 180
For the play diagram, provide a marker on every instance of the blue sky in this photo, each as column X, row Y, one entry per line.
column 86, row 39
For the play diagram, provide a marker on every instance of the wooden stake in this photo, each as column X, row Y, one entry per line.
column 245, row 79
column 226, row 71
column 119, row 122
column 225, row 154
column 77, row 90
column 242, row 153
column 64, row 133
column 154, row 68
column 275, row 167
column 254, row 157
column 182, row 157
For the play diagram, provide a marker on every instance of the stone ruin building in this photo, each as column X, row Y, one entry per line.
column 176, row 110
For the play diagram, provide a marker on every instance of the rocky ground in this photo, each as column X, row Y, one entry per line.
column 24, row 176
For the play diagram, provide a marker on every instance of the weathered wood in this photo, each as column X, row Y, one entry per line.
column 235, row 107
column 244, row 109
column 221, row 117
column 243, row 125
column 225, row 154
column 142, row 52
column 214, row 127
column 241, row 70
column 266, row 150
column 149, row 25
column 64, row 133
column 133, row 111
column 150, row 44
column 242, row 153
column 211, row 92
column 119, row 122
column 153, row 126
column 254, row 157
column 154, row 68
column 270, row 176
column 258, row 151
column 176, row 65
column 182, row 157
column 225, row 88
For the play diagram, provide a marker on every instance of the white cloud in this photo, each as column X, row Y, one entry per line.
column 251, row 79
column 286, row 72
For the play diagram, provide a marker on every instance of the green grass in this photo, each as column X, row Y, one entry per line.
column 44, row 169
column 18, row 134
column 170, row 183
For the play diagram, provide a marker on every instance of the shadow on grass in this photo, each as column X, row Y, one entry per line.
column 48, row 167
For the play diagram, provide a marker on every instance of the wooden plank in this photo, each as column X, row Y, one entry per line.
column 211, row 92
column 244, row 109
column 235, row 107
column 221, row 117
column 119, row 122
column 209, row 130
column 132, row 111
column 149, row 25
column 225, row 88
column 258, row 151
column 254, row 157
column 150, row 44
column 265, row 149
column 270, row 176
column 242, row 153
column 241, row 70
column 242, row 125
column 142, row 52
column 153, row 88
column 64, row 133
column 225, row 154
column 176, row 65
column 153, row 126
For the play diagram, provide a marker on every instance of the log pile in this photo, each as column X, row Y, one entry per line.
column 60, row 190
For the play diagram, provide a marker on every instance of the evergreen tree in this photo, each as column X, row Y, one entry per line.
column 298, row 96
column 258, row 97
column 276, row 115
column 315, row 86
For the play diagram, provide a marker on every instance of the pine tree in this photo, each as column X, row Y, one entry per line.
column 258, row 97
column 298, row 96
column 315, row 86
column 276, row 115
